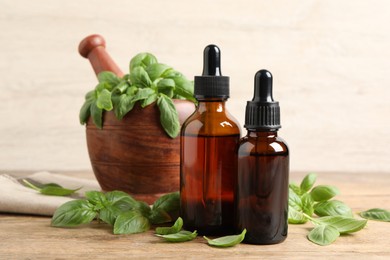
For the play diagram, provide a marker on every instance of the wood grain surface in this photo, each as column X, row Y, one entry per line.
column 31, row 237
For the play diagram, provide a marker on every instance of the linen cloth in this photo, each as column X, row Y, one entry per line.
column 17, row 198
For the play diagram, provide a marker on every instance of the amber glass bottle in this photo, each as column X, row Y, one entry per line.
column 261, row 197
column 208, row 161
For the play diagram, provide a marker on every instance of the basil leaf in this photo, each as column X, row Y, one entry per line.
column 181, row 236
column 168, row 115
column 109, row 214
column 50, row 189
column 85, row 110
column 149, row 100
column 295, row 188
column 226, row 241
column 294, row 200
column 90, row 95
column 307, row 204
column 96, row 198
column 101, row 86
column 121, row 200
column 109, row 78
column 323, row 192
column 57, row 191
column 97, row 115
column 143, row 93
column 121, row 87
column 156, row 70
column 295, row 216
column 116, row 202
column 166, row 86
column 73, row 213
column 143, row 208
column 308, row 182
column 184, row 88
column 131, row 222
column 323, row 235
column 342, row 224
column 175, row 228
column 376, row 214
column 142, row 59
column 104, row 100
column 332, row 208
column 123, row 104
column 158, row 216
column 168, row 202
column 140, row 78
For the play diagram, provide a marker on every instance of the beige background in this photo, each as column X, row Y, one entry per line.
column 330, row 61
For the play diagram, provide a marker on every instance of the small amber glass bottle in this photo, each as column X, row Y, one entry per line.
column 208, row 163
column 261, row 197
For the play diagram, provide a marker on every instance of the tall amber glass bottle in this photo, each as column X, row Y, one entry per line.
column 261, row 197
column 208, row 161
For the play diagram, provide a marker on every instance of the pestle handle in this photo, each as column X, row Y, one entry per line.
column 93, row 48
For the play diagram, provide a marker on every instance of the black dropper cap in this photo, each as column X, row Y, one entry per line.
column 263, row 113
column 211, row 84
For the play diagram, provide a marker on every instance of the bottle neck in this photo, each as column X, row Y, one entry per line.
column 262, row 133
column 211, row 105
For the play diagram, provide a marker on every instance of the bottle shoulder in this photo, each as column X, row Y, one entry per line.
column 263, row 146
column 203, row 123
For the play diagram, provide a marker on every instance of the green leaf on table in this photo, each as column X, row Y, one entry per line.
column 104, row 100
column 168, row 115
column 323, row 192
column 121, row 200
column 169, row 202
column 295, row 188
column 159, row 216
column 175, row 228
column 156, row 70
column 143, row 60
column 109, row 78
column 295, row 216
column 307, row 204
column 143, row 208
column 109, row 214
column 343, row 225
column 332, row 208
column 294, row 200
column 52, row 189
column 96, row 198
column 323, row 235
column 181, row 236
column 73, row 213
column 226, row 241
column 131, row 222
column 308, row 182
column 376, row 214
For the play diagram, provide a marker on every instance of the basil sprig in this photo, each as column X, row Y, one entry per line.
column 50, row 189
column 148, row 81
column 226, row 241
column 118, row 209
column 334, row 217
column 376, row 214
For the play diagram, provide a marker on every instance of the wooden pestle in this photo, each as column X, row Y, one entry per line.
column 93, row 48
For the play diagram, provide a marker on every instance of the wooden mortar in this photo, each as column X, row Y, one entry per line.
column 134, row 154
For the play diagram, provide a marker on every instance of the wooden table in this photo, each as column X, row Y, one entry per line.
column 31, row 237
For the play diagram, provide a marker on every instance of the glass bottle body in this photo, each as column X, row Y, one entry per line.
column 208, row 166
column 261, row 197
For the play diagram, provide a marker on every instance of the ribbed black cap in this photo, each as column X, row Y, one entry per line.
column 211, row 84
column 262, row 113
